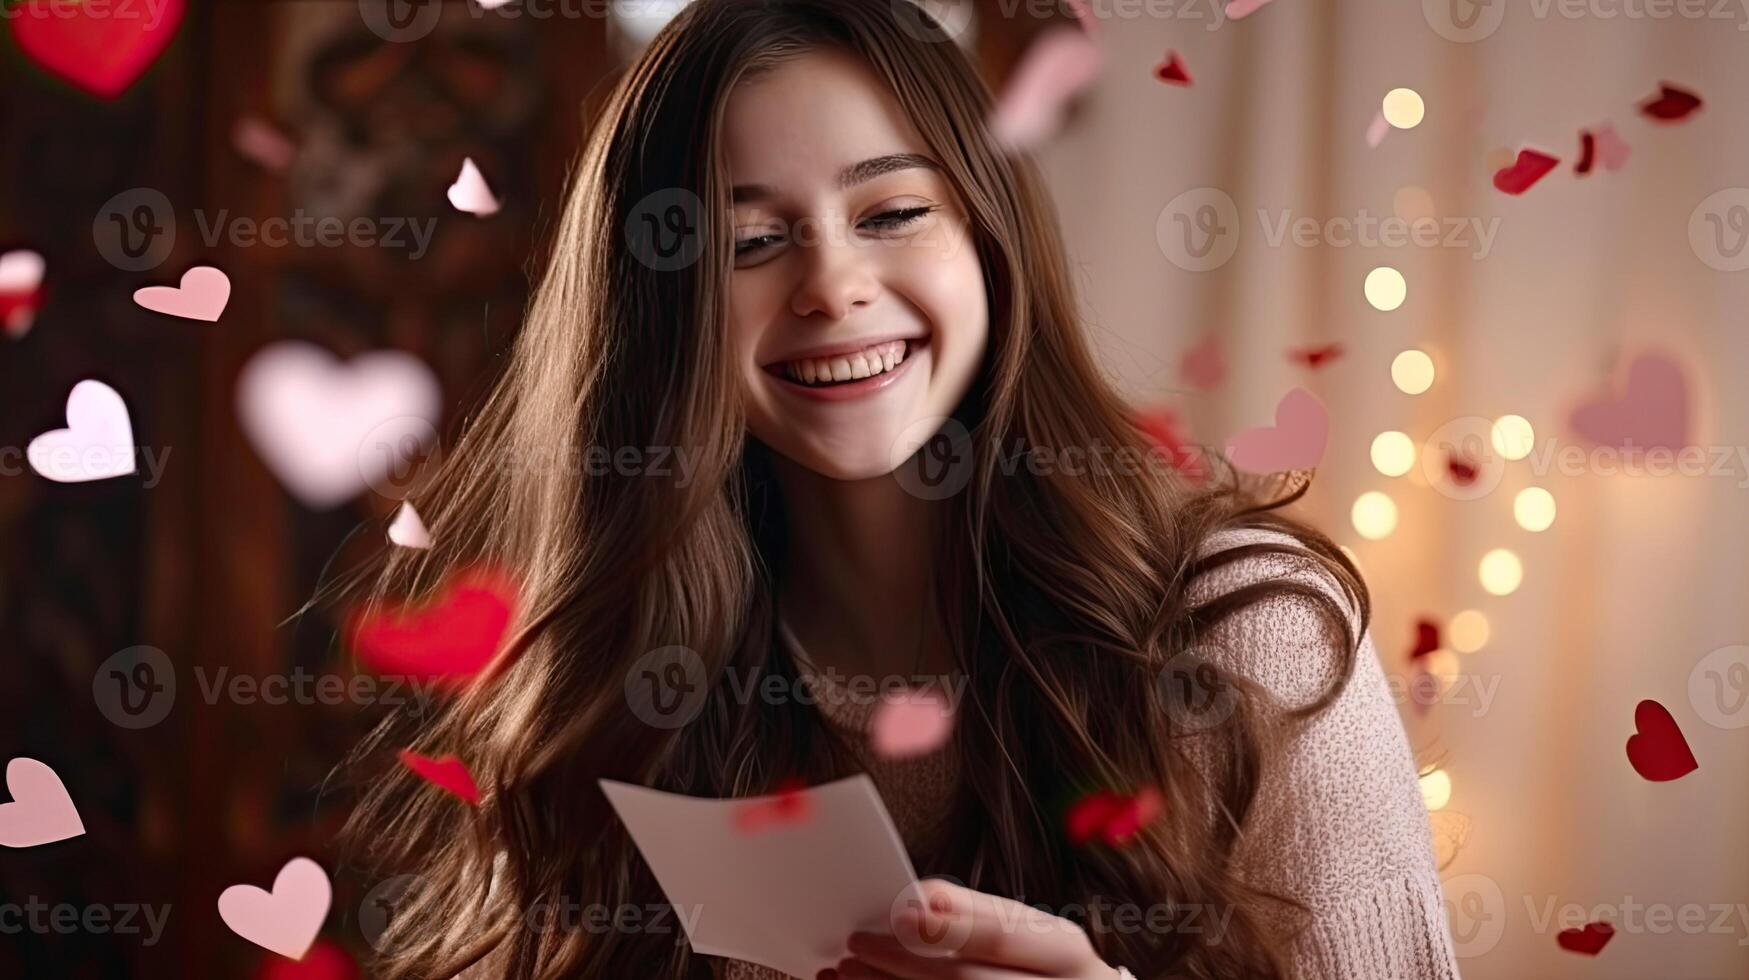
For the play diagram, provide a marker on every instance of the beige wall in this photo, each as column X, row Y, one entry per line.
column 1639, row 577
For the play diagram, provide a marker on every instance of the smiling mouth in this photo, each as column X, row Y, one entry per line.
column 843, row 369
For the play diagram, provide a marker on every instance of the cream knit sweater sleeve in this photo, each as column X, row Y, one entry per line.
column 1338, row 822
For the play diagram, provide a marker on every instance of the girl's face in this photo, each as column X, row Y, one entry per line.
column 857, row 301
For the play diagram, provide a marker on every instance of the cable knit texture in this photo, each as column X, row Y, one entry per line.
column 1338, row 822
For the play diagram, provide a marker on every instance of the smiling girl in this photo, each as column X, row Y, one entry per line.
column 793, row 249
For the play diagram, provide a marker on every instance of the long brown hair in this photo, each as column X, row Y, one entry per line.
column 1064, row 595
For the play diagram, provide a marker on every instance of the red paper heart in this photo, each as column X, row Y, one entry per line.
column 1587, row 152
column 102, row 48
column 449, row 641
column 446, row 773
column 1426, row 638
column 1657, row 749
column 1314, row 357
column 1164, row 429
column 325, row 961
column 1463, row 471
column 1670, row 104
column 1172, row 71
column 1587, row 940
column 1111, row 815
column 1529, row 168
column 789, row 805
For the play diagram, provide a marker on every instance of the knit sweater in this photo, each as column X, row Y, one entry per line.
column 1338, row 822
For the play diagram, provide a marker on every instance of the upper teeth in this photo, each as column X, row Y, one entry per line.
column 865, row 363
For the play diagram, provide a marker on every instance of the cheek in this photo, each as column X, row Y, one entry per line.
column 948, row 283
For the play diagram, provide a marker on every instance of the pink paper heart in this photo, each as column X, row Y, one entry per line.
column 287, row 919
column 1244, row 8
column 1377, row 130
column 469, row 193
column 1611, row 151
column 1295, row 442
column 327, row 428
column 915, row 723
column 202, row 295
column 1651, row 408
column 98, row 442
column 1204, row 364
column 258, row 140
column 41, row 812
column 447, row 773
column 1059, row 64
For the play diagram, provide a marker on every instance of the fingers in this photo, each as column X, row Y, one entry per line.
column 883, row 956
column 951, row 920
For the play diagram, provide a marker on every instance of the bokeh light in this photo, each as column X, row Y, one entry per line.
column 1404, row 108
column 1500, row 572
column 1374, row 515
column 1386, row 288
column 1393, row 453
column 1534, row 508
column 1512, row 436
column 1412, row 371
column 1468, row 631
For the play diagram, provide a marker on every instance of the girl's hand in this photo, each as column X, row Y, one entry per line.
column 947, row 932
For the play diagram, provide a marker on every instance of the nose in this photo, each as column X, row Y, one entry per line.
column 838, row 275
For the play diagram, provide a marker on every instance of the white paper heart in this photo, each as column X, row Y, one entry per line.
column 329, row 429
column 41, row 811
column 98, row 442
column 287, row 919
column 407, row 530
column 21, row 271
column 469, row 192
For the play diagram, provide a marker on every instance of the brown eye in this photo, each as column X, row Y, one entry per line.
column 896, row 219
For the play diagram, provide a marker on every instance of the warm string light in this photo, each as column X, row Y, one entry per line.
column 1403, row 108
column 1374, row 515
column 1386, row 288
column 1412, row 371
column 1468, row 631
column 1436, row 789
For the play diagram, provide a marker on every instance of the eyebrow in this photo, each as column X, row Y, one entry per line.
column 849, row 177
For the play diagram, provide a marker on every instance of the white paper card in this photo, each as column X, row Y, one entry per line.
column 786, row 894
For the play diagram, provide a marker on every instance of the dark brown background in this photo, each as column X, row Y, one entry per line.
column 209, row 564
